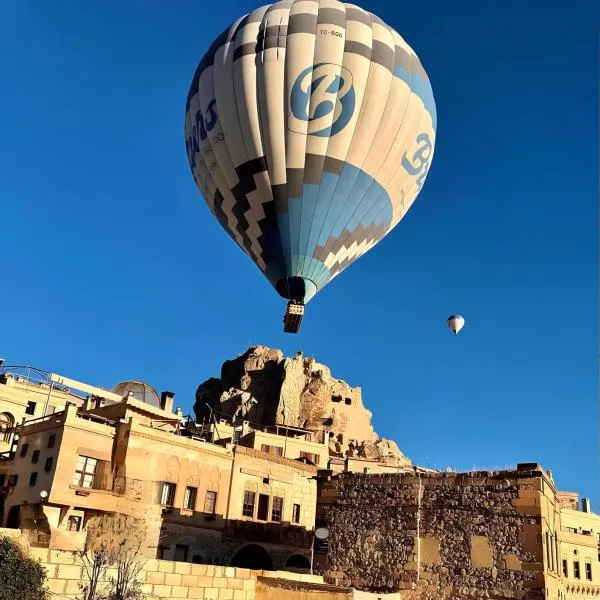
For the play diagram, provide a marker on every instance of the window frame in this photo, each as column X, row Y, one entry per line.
column 30, row 408
column 277, row 509
column 35, row 457
column 190, row 497
column 576, row 570
column 33, row 478
column 24, row 450
column 51, row 440
column 588, row 570
column 81, row 474
column 211, row 496
column 249, row 504
column 296, row 511
column 48, row 464
column 171, row 496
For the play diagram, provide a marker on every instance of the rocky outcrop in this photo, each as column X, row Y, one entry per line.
column 265, row 388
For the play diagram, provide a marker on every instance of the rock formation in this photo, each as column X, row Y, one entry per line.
column 265, row 388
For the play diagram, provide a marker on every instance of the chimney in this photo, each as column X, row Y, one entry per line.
column 586, row 505
column 166, row 401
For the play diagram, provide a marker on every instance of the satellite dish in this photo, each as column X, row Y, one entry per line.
column 322, row 533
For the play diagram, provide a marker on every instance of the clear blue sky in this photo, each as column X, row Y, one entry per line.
column 112, row 267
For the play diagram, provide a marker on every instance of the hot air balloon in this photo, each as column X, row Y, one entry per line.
column 456, row 323
column 310, row 130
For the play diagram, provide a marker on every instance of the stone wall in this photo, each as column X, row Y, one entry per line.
column 167, row 580
column 444, row 535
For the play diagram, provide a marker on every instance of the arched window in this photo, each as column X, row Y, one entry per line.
column 253, row 556
column 7, row 422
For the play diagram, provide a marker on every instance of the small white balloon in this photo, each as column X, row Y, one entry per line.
column 456, row 323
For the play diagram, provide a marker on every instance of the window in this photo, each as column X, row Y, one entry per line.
column 348, row 401
column 314, row 458
column 24, row 449
column 32, row 479
column 551, row 549
column 51, row 440
column 12, row 480
column 588, row 571
column 181, row 553
column 48, row 464
column 276, row 509
column 6, row 424
column 35, row 457
column 336, row 398
column 189, row 499
column 548, row 551
column 296, row 513
column 248, row 506
column 263, row 507
column 576, row 572
column 210, row 502
column 274, row 450
column 74, row 523
column 85, row 471
column 167, row 494
column 565, row 567
column 30, row 408
column 162, row 552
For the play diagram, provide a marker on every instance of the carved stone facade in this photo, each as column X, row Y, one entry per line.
column 264, row 387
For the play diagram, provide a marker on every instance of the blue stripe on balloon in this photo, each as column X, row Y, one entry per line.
column 421, row 87
column 294, row 213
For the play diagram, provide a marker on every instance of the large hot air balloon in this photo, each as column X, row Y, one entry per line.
column 310, row 130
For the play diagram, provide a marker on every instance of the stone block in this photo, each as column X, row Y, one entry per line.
column 236, row 584
column 249, row 584
column 69, row 572
column 511, row 562
column 220, row 582
column 226, row 594
column 229, row 571
column 205, row 581
column 196, row 592
column 147, row 589
column 151, row 565
column 430, row 551
column 62, row 558
column 73, row 587
column 179, row 591
column 172, row 579
column 211, row 594
column 482, row 553
column 189, row 580
column 166, row 566
column 57, row 586
column 199, row 569
column 219, row 571
column 162, row 591
column 156, row 578
column 239, row 595
column 183, row 568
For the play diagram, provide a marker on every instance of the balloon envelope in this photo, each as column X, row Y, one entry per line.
column 310, row 130
column 456, row 323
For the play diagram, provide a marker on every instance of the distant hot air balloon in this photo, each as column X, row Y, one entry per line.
column 456, row 323
column 310, row 130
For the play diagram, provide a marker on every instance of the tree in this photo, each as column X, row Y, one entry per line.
column 21, row 577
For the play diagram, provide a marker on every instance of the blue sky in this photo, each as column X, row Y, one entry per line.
column 113, row 268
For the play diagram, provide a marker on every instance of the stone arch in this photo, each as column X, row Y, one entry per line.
column 297, row 562
column 7, row 422
column 253, row 556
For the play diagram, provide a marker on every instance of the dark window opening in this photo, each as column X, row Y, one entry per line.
column 348, row 401
column 48, row 464
column 263, row 507
column 336, row 398
column 74, row 523
column 248, row 506
column 588, row 571
column 253, row 557
column 24, row 449
column 314, row 458
column 576, row 572
column 296, row 513
column 297, row 561
column 565, row 566
column 30, row 408
column 181, row 553
column 51, row 440
column 162, row 552
column 35, row 457
column 32, row 479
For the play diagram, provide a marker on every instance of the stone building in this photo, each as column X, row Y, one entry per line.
column 249, row 503
column 501, row 535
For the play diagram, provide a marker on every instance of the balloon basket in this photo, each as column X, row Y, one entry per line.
column 293, row 317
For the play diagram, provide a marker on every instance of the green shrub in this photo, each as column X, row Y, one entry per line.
column 21, row 577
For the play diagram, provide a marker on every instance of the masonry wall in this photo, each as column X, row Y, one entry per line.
column 443, row 535
column 167, row 580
